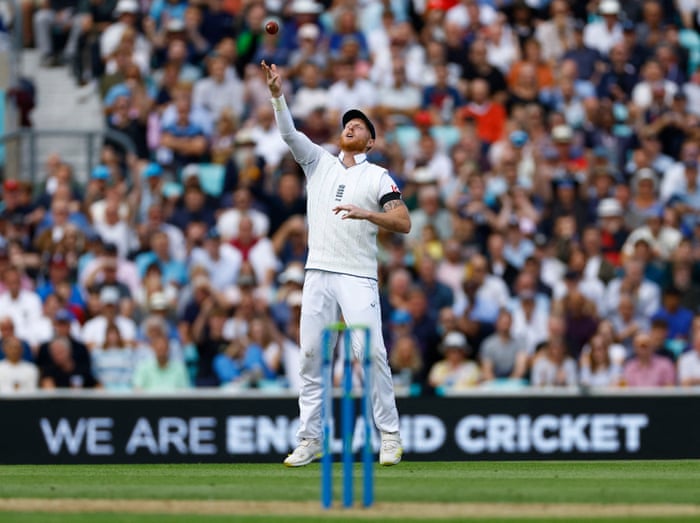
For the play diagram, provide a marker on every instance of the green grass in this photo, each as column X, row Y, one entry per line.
column 599, row 482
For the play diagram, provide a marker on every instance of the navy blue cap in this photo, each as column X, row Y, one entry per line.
column 518, row 138
column 356, row 113
column 63, row 315
column 400, row 317
column 100, row 172
column 152, row 169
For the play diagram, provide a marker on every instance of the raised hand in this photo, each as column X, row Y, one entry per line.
column 274, row 81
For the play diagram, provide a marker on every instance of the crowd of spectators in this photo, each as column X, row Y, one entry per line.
column 548, row 152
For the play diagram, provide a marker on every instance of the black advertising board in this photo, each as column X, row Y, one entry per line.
column 224, row 429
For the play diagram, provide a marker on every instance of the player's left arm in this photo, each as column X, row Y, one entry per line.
column 393, row 217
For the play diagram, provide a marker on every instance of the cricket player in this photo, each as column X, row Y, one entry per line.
column 348, row 199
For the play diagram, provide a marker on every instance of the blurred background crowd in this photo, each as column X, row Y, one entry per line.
column 547, row 150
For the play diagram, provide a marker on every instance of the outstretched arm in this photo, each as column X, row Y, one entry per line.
column 303, row 149
column 394, row 216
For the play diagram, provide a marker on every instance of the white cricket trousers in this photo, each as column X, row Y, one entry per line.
column 325, row 296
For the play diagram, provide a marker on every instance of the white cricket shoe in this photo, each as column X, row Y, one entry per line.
column 391, row 451
column 307, row 451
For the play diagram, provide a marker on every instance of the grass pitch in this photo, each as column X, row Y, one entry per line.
column 449, row 491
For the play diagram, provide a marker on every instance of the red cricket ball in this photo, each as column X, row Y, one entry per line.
column 272, row 27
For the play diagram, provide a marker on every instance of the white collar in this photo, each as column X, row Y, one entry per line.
column 359, row 158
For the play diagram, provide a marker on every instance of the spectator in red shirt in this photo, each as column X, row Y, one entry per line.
column 489, row 116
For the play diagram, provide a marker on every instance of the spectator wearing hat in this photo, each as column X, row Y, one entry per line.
column 127, row 108
column 16, row 374
column 612, row 228
column 94, row 331
column 299, row 13
column 310, row 50
column 126, row 14
column 607, row 31
column 149, row 188
column 455, row 371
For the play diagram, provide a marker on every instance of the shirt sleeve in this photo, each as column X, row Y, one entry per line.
column 388, row 189
column 305, row 152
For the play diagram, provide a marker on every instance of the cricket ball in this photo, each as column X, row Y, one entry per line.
column 272, row 27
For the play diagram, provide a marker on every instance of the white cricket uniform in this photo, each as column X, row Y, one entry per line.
column 341, row 270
